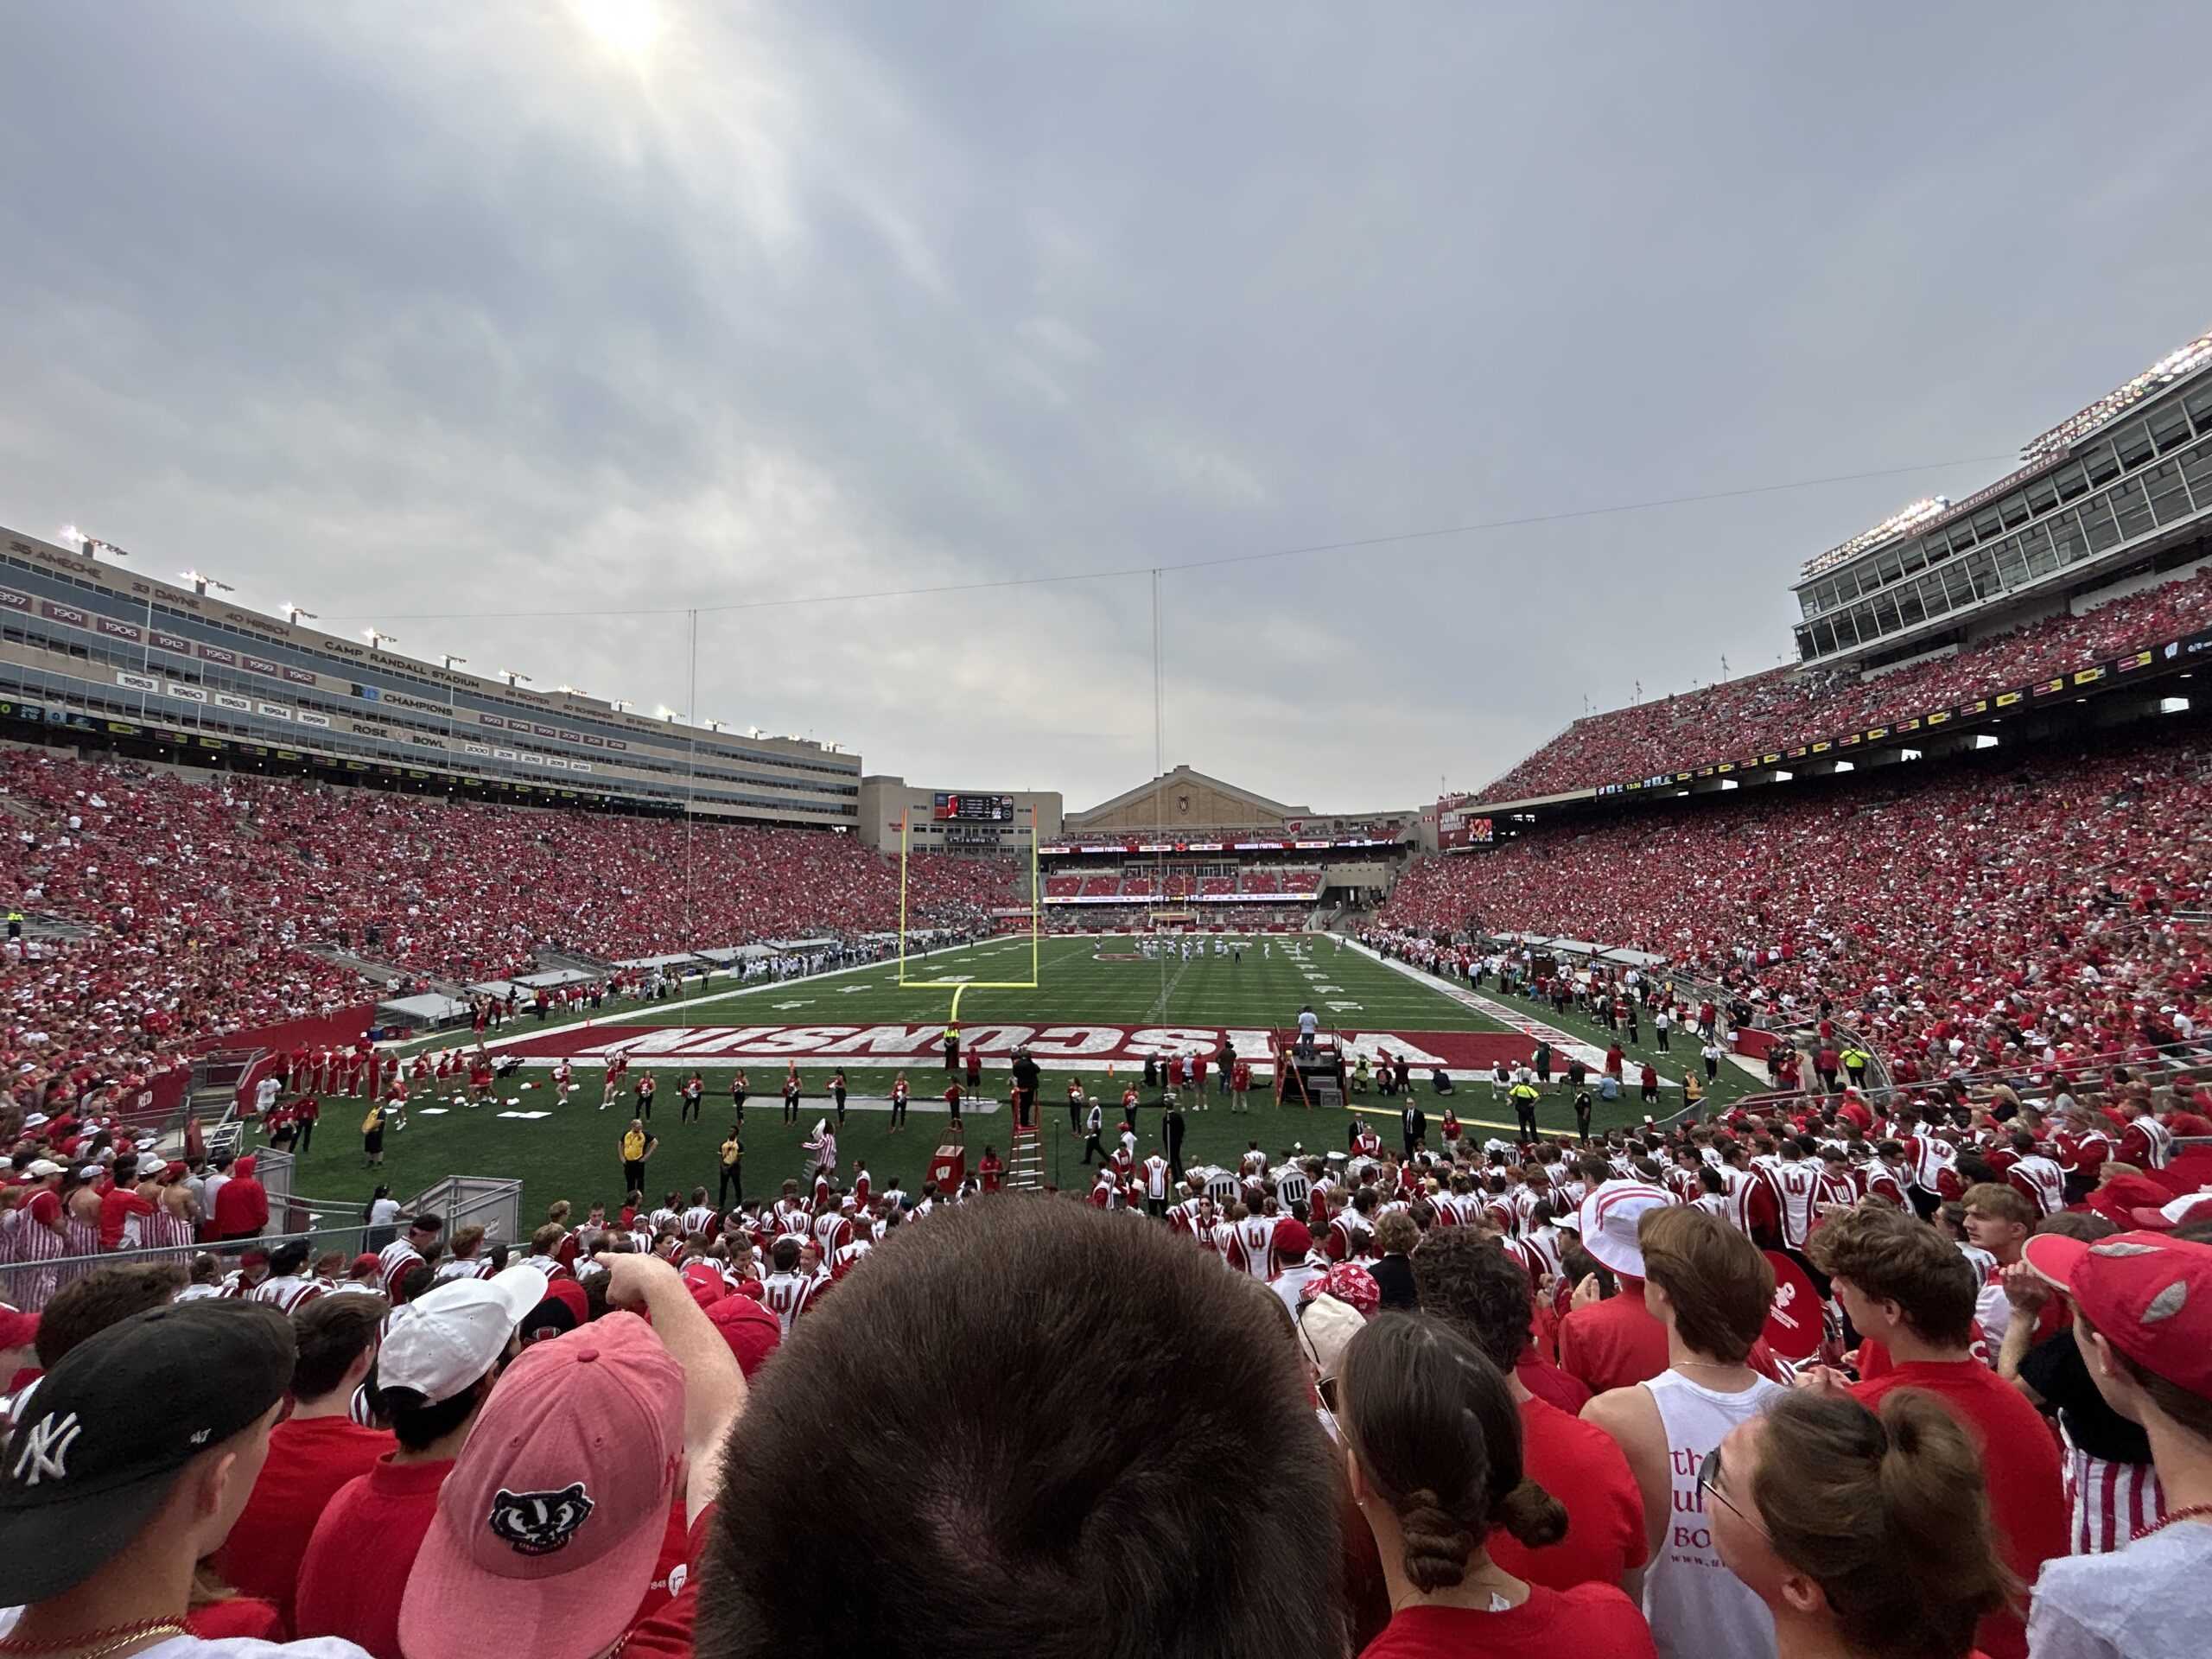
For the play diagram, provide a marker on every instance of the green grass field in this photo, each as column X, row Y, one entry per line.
column 1085, row 996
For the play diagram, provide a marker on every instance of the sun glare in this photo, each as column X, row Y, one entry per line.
column 627, row 26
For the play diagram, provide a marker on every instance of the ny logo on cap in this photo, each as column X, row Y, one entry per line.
column 538, row 1523
column 45, row 1455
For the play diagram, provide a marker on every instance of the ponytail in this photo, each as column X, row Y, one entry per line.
column 1437, row 1435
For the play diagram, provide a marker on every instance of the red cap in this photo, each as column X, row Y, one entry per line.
column 2118, row 1199
column 570, row 1295
column 2149, row 1295
column 705, row 1282
column 749, row 1328
column 17, row 1329
column 1292, row 1238
column 550, row 1523
column 365, row 1262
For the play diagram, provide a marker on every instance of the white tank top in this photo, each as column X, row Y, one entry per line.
column 1698, row 1608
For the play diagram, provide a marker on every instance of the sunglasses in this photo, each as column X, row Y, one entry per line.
column 1708, row 1483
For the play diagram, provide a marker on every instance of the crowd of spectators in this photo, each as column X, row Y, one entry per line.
column 1502, row 1398
column 198, row 900
column 1979, row 916
column 1782, row 707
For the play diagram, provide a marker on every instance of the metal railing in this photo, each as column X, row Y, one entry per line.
column 31, row 1285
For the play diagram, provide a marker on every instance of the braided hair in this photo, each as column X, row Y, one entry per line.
column 1437, row 1432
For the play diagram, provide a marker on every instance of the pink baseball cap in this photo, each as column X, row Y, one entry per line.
column 550, row 1524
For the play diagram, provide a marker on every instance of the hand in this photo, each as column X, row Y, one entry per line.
column 1821, row 1379
column 630, row 1278
column 1588, row 1293
column 2028, row 1291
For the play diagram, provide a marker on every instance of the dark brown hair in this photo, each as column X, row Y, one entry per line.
column 1435, row 1429
column 1470, row 1284
column 1064, row 1443
column 332, row 1331
column 1720, row 1282
column 1889, row 1513
column 84, row 1307
column 1894, row 1257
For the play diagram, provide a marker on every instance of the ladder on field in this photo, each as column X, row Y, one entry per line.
column 1025, row 1162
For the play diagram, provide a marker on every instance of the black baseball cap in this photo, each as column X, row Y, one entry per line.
column 105, row 1433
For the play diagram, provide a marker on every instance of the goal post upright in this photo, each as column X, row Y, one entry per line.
column 957, row 985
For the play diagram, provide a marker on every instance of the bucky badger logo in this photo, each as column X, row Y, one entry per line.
column 538, row 1523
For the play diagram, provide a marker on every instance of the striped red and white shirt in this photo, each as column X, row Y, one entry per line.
column 2109, row 1501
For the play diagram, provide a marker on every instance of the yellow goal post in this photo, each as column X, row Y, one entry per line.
column 1036, row 920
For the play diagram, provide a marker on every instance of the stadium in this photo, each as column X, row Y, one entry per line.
column 1737, row 1181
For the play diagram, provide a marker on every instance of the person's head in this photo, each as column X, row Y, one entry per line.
column 549, row 1525
column 1468, row 1283
column 1872, row 1526
column 90, row 1477
column 1706, row 1280
column 289, row 1259
column 337, row 1341
column 1396, row 1234
column 2142, row 1309
column 785, row 1255
column 1042, row 1520
column 422, row 1231
column 466, row 1242
column 106, row 1296
column 442, row 1350
column 1997, row 1219
column 1893, row 1274
column 1433, row 1450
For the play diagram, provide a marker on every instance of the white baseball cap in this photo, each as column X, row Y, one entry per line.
column 449, row 1337
column 1611, row 1216
column 43, row 1167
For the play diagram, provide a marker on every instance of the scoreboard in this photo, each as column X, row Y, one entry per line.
column 946, row 808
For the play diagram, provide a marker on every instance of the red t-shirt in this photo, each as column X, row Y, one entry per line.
column 2027, row 1496
column 1583, row 1467
column 1613, row 1343
column 246, row 1617
column 117, row 1205
column 666, row 1633
column 1549, row 1383
column 355, row 1569
column 309, row 1458
column 1590, row 1618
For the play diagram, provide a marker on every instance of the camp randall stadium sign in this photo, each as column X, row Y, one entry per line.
column 1462, row 1052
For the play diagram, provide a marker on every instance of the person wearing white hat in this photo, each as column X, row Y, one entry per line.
column 1611, row 1342
column 1709, row 1289
column 440, row 1355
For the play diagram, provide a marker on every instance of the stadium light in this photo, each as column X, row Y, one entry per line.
column 1845, row 766
column 1782, row 777
column 662, row 711
column 510, row 675
column 71, row 533
column 2173, row 705
column 450, row 659
column 572, row 690
column 622, row 705
column 714, row 725
column 2168, row 369
column 1908, row 755
column 296, row 615
column 1903, row 522
column 1985, row 742
column 378, row 640
column 200, row 584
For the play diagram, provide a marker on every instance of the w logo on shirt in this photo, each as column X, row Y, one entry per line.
column 45, row 1455
column 538, row 1523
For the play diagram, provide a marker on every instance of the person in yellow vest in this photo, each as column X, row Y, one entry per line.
column 372, row 1136
column 1693, row 1090
column 636, row 1146
column 732, row 1171
column 1855, row 1061
column 1524, row 1096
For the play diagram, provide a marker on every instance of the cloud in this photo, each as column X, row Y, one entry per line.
column 394, row 310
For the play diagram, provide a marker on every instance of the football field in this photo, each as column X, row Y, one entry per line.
column 1101, row 1008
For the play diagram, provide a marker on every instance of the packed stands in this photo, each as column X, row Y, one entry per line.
column 1958, row 906
column 200, row 896
column 1783, row 707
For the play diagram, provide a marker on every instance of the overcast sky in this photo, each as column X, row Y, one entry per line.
column 391, row 309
